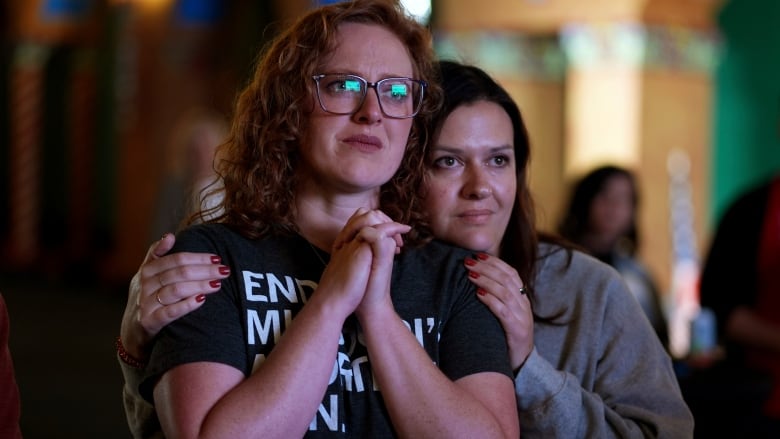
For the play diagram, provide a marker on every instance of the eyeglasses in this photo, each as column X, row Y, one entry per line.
column 399, row 98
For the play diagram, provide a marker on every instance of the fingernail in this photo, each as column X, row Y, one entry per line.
column 216, row 260
column 224, row 269
column 470, row 262
column 481, row 292
column 473, row 275
column 200, row 297
column 163, row 237
column 482, row 256
column 215, row 284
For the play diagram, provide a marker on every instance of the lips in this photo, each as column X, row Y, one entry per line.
column 364, row 143
column 475, row 216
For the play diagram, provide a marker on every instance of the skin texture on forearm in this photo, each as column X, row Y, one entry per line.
column 470, row 407
column 479, row 405
column 212, row 400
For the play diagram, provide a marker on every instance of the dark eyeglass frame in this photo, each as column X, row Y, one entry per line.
column 416, row 105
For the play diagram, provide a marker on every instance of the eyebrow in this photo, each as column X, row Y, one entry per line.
column 453, row 149
column 340, row 71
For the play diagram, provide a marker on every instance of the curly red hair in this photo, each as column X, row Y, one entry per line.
column 257, row 162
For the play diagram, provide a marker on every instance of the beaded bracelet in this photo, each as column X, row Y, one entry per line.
column 126, row 357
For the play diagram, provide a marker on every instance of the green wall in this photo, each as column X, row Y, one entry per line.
column 746, row 118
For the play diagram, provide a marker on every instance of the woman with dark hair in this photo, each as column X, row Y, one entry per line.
column 310, row 333
column 465, row 86
column 586, row 363
column 601, row 218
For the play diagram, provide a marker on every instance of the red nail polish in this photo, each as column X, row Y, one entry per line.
column 481, row 292
column 215, row 284
column 224, row 270
column 482, row 256
column 473, row 275
column 200, row 297
column 216, row 260
column 470, row 262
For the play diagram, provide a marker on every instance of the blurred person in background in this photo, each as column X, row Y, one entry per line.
column 601, row 219
column 189, row 167
column 740, row 282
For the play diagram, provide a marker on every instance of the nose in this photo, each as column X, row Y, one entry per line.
column 369, row 111
column 476, row 185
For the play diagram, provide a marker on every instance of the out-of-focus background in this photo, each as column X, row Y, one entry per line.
column 100, row 100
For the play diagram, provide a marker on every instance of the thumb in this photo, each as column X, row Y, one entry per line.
column 161, row 247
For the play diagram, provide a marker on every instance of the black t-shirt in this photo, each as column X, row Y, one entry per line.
column 270, row 281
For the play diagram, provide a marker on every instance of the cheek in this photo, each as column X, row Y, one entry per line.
column 311, row 129
column 506, row 190
column 626, row 213
column 438, row 198
column 399, row 131
column 440, row 191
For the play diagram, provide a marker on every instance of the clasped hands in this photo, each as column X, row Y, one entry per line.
column 361, row 264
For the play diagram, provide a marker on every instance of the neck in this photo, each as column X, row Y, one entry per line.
column 320, row 215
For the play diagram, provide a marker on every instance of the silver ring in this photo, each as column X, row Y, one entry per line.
column 522, row 290
column 157, row 296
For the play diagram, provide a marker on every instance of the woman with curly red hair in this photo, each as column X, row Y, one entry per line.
column 325, row 328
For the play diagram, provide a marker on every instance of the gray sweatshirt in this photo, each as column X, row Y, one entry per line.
column 598, row 369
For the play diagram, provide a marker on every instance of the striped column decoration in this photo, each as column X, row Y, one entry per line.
column 81, row 157
column 26, row 96
column 684, row 293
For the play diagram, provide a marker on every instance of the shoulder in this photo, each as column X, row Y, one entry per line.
column 436, row 250
column 203, row 230
column 434, row 263
column 567, row 280
column 204, row 237
column 558, row 264
column 221, row 238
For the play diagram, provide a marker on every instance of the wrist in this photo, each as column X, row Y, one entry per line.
column 135, row 338
column 376, row 315
column 517, row 366
column 127, row 357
